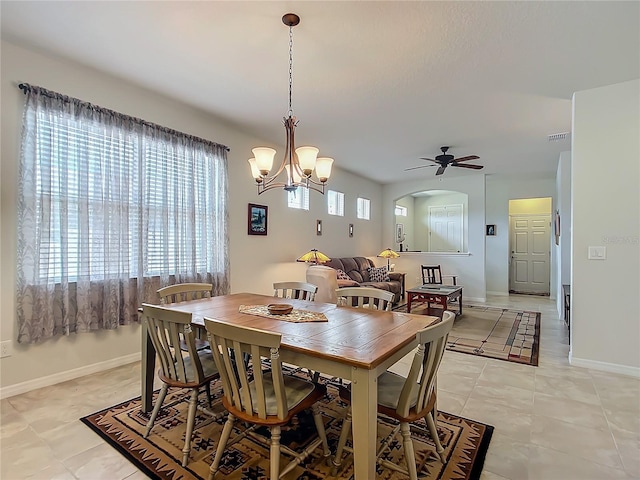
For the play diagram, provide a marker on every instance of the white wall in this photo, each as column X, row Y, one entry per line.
column 408, row 221
column 563, row 249
column 256, row 261
column 501, row 189
column 605, row 167
column 469, row 267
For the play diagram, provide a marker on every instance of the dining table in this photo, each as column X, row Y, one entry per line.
column 355, row 344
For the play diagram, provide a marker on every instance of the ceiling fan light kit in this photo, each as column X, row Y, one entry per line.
column 445, row 160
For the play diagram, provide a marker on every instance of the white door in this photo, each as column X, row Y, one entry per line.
column 445, row 228
column 530, row 254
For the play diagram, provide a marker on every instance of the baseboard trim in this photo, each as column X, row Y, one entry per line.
column 604, row 366
column 499, row 294
column 466, row 299
column 24, row 387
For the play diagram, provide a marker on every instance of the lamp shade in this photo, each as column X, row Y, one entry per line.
column 313, row 256
column 388, row 253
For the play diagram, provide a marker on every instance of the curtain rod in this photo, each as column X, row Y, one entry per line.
column 26, row 88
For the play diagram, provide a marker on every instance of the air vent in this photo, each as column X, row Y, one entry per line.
column 556, row 137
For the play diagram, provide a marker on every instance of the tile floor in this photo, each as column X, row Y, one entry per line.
column 551, row 422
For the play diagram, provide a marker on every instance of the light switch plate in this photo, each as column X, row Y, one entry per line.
column 597, row 253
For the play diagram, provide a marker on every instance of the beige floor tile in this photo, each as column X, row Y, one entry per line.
column 509, row 422
column 571, row 411
column 450, row 402
column 587, row 443
column 567, row 387
column 487, row 475
column 71, row 439
column 102, row 462
column 520, row 376
column 548, row 464
column 504, row 395
column 507, row 458
column 57, row 471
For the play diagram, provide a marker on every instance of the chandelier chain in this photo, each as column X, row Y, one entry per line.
column 290, row 112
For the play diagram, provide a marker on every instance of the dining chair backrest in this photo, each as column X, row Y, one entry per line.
column 299, row 290
column 231, row 342
column 365, row 297
column 424, row 367
column 431, row 274
column 181, row 292
column 168, row 327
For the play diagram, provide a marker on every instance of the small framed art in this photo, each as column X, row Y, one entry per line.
column 258, row 219
column 491, row 230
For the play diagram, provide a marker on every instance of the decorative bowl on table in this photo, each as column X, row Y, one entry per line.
column 279, row 308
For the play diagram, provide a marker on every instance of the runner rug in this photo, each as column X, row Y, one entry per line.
column 511, row 335
column 159, row 456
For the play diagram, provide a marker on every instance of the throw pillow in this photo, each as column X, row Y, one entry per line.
column 379, row 274
column 342, row 275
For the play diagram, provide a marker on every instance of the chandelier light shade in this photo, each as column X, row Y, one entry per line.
column 299, row 164
column 313, row 256
column 388, row 254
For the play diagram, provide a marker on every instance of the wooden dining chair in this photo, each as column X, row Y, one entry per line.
column 365, row 297
column 261, row 397
column 190, row 369
column 299, row 290
column 407, row 400
column 432, row 274
column 182, row 292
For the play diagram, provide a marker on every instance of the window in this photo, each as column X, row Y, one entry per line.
column 363, row 208
column 110, row 209
column 401, row 211
column 299, row 198
column 335, row 203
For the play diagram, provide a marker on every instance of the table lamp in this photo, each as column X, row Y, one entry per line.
column 388, row 253
column 313, row 256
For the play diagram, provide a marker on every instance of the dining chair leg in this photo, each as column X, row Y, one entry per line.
column 191, row 420
column 222, row 444
column 409, row 453
column 344, row 434
column 433, row 430
column 317, row 418
column 207, row 387
column 156, row 408
column 275, row 452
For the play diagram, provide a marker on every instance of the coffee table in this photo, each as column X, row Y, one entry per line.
column 438, row 294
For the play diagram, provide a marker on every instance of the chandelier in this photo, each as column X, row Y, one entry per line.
column 299, row 163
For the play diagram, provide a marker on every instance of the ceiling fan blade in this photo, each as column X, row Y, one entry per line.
column 441, row 170
column 421, row 166
column 464, row 165
column 469, row 157
column 430, row 159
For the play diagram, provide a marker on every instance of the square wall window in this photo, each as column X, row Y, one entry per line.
column 335, row 203
column 400, row 210
column 363, row 208
column 299, row 198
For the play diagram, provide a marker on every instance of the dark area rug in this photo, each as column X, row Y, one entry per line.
column 159, row 456
column 494, row 332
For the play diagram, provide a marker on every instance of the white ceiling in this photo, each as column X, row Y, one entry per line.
column 376, row 84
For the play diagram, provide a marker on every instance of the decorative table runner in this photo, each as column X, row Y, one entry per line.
column 296, row 316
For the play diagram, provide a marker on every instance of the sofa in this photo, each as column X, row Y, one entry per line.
column 358, row 273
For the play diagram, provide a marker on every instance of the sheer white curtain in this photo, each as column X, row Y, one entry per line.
column 110, row 209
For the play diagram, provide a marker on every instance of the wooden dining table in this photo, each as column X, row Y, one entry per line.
column 355, row 344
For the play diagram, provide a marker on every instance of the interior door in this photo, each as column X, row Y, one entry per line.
column 445, row 228
column 530, row 254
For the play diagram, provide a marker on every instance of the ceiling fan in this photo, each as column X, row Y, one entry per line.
column 445, row 160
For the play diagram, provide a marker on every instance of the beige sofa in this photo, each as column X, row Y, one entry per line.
column 357, row 269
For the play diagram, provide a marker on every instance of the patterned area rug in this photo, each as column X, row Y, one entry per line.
column 494, row 332
column 159, row 456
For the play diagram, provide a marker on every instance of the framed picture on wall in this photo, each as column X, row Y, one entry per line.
column 257, row 220
column 399, row 232
column 491, row 230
